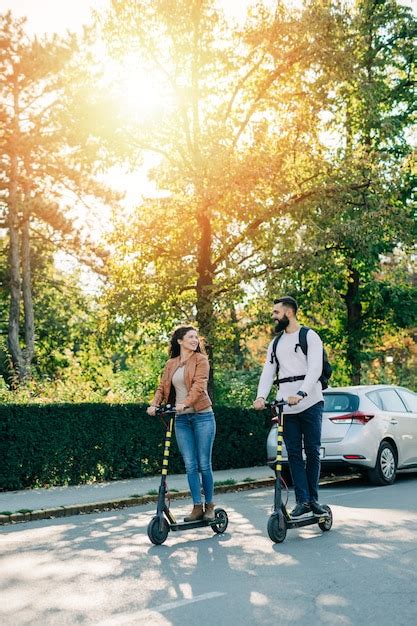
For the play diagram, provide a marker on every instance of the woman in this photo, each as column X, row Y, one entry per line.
column 186, row 373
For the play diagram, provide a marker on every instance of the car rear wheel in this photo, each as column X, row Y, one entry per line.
column 385, row 470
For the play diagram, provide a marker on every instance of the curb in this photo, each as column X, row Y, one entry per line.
column 81, row 509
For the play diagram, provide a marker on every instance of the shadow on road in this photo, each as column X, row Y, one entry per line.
column 101, row 569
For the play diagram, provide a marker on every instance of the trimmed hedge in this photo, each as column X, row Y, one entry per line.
column 61, row 444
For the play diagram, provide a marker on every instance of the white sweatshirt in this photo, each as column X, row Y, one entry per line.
column 294, row 363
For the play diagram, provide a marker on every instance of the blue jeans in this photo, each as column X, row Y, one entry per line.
column 298, row 428
column 195, row 436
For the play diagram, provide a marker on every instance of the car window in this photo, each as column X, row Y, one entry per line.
column 375, row 398
column 391, row 401
column 335, row 402
column 409, row 398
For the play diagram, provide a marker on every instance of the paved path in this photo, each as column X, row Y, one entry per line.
column 101, row 570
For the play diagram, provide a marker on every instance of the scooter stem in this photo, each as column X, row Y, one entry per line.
column 278, row 463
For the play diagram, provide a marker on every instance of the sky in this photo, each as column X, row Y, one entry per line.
column 61, row 15
column 52, row 15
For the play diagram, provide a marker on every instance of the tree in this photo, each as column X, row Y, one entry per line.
column 240, row 151
column 346, row 236
column 48, row 162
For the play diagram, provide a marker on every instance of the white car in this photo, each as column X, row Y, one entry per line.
column 369, row 427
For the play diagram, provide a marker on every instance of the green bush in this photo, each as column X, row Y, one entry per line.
column 60, row 444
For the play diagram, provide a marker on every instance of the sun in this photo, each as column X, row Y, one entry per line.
column 140, row 93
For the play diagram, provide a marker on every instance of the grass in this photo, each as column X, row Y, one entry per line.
column 24, row 511
column 6, row 513
column 248, row 479
column 152, row 492
column 135, row 495
column 220, row 483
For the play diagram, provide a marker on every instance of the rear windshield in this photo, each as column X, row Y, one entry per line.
column 338, row 402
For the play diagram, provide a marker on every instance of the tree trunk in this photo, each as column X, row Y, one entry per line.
column 354, row 325
column 237, row 350
column 28, row 351
column 15, row 285
column 204, row 304
column 19, row 256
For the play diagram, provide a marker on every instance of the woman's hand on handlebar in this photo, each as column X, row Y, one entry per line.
column 151, row 410
column 259, row 404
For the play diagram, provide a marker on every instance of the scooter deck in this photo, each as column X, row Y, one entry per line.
column 188, row 525
column 306, row 521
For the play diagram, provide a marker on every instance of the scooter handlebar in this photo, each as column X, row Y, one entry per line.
column 276, row 408
column 275, row 403
column 165, row 409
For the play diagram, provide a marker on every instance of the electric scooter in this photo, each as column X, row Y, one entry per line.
column 280, row 520
column 164, row 520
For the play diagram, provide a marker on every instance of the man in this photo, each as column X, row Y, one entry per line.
column 303, row 416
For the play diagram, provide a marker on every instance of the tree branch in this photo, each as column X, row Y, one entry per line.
column 75, row 254
column 240, row 85
column 263, row 90
column 284, row 205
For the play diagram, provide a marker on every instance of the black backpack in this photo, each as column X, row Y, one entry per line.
column 326, row 371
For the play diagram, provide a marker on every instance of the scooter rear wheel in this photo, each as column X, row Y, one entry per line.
column 277, row 534
column 221, row 521
column 156, row 535
column 328, row 522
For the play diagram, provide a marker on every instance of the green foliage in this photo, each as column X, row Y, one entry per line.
column 138, row 369
column 59, row 444
column 236, row 388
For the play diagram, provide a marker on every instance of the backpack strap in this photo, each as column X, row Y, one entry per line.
column 290, row 379
column 302, row 339
column 274, row 349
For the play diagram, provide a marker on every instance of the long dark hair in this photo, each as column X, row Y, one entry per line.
column 179, row 333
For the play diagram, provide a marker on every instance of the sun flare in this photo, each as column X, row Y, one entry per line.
column 140, row 93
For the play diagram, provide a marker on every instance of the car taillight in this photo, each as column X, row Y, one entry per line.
column 357, row 417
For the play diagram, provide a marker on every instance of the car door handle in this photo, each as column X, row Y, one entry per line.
column 393, row 421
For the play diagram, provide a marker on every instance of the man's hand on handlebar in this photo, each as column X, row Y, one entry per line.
column 293, row 400
column 151, row 410
column 259, row 404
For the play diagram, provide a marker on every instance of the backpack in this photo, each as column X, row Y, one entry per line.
column 326, row 371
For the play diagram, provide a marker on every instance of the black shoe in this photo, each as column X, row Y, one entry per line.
column 301, row 510
column 317, row 508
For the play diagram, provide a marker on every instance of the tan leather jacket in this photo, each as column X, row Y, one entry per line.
column 196, row 375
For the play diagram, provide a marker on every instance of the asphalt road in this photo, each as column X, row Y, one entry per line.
column 100, row 569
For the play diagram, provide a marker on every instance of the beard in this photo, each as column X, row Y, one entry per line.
column 282, row 324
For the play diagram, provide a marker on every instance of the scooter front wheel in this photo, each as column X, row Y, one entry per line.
column 276, row 531
column 221, row 521
column 155, row 534
column 327, row 523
